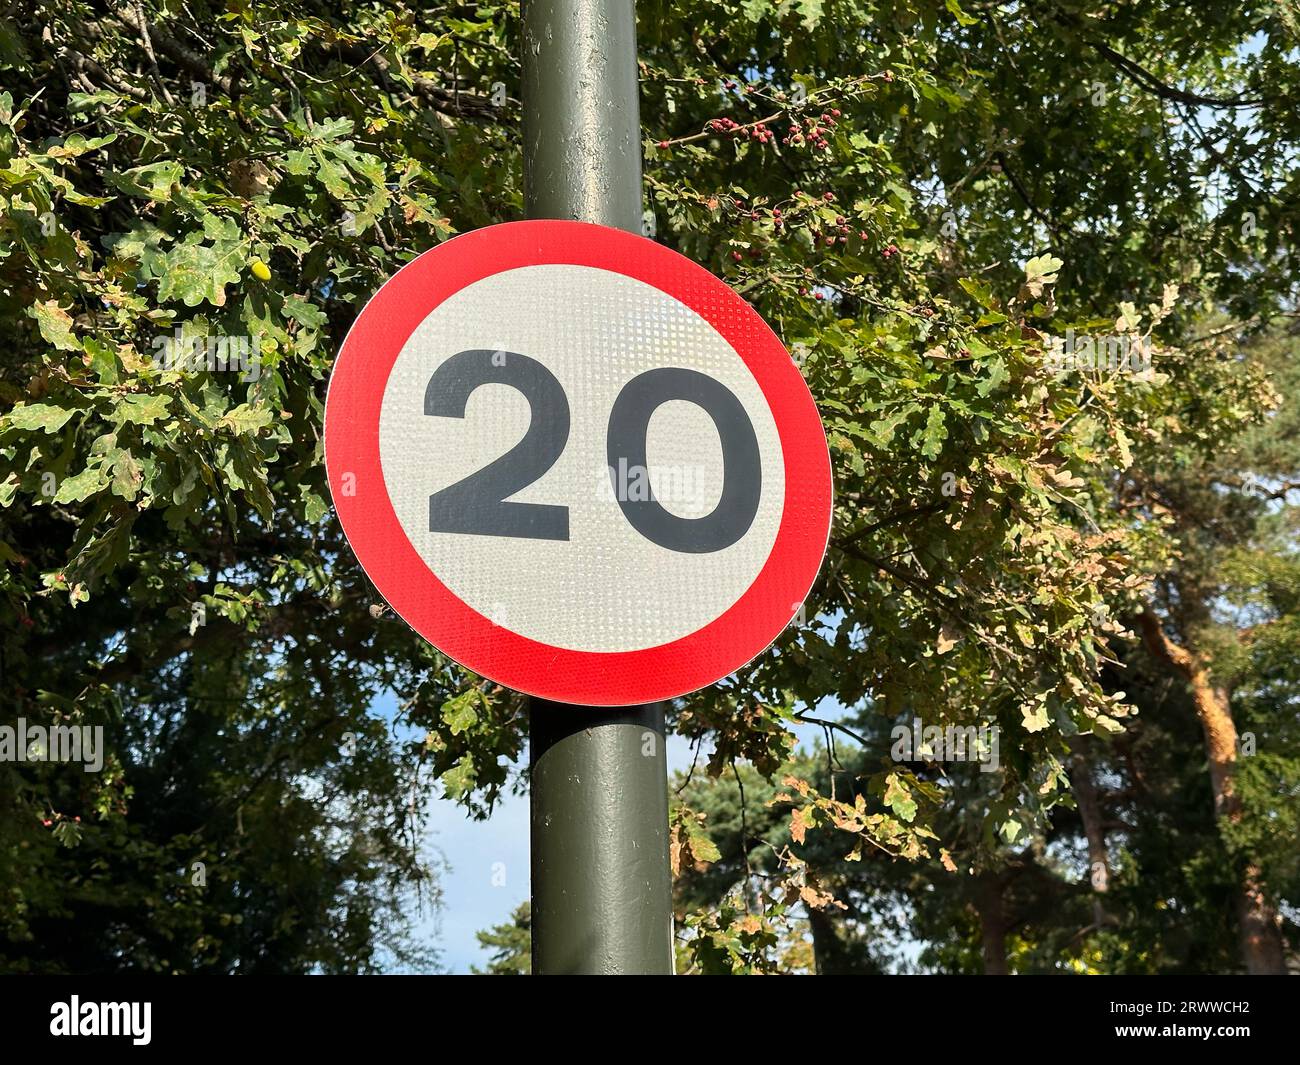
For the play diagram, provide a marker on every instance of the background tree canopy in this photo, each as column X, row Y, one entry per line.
column 1098, row 559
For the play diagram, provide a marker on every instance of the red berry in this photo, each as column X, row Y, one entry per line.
column 829, row 197
column 663, row 144
column 737, row 256
column 818, row 296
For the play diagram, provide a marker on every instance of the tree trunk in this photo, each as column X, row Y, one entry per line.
column 832, row 955
column 1085, row 795
column 1258, row 928
column 993, row 923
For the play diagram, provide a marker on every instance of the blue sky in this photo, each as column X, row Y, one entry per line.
column 484, row 864
column 471, row 901
column 485, row 875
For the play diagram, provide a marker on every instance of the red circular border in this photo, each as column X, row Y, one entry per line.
column 596, row 678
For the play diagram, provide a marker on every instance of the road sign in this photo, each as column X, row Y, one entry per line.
column 577, row 463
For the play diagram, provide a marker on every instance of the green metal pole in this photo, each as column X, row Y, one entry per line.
column 600, row 884
column 582, row 119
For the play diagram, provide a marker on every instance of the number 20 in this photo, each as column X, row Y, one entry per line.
column 478, row 504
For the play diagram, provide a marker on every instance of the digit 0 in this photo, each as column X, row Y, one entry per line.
column 742, row 483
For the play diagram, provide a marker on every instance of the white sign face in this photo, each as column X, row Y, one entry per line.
column 579, row 464
column 602, row 587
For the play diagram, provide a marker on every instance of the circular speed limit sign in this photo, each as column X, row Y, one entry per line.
column 577, row 463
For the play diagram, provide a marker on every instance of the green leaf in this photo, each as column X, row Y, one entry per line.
column 151, row 182
column 1034, row 717
column 314, row 506
column 810, row 12
column 962, row 18
column 1043, row 268
column 103, row 360
column 126, row 474
column 82, row 485
column 1104, row 725
column 143, row 409
column 461, row 712
column 934, row 433
column 997, row 373
column 703, row 849
column 247, row 421
column 980, row 291
column 306, row 313
column 898, row 797
column 459, row 779
column 55, row 325
column 194, row 273
column 38, row 417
